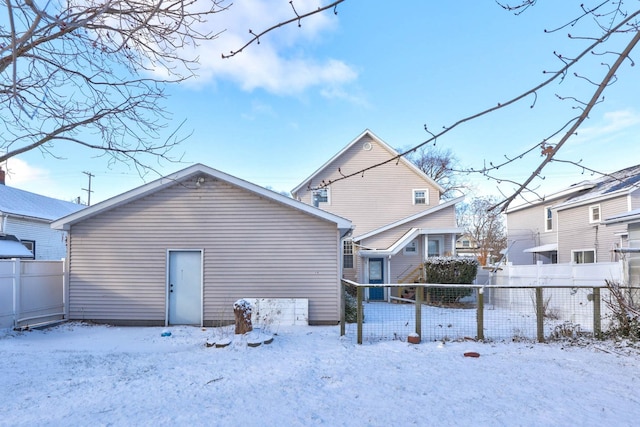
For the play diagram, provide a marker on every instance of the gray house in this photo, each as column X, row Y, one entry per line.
column 182, row 249
column 569, row 225
column 28, row 217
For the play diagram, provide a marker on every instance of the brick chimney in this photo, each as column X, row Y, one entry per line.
column 1, row 176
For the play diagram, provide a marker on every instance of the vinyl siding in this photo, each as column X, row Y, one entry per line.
column 444, row 218
column 50, row 244
column 252, row 247
column 378, row 197
column 576, row 233
column 526, row 229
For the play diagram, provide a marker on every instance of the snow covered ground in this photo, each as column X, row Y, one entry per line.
column 76, row 374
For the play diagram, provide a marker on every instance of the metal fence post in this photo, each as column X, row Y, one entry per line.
column 360, row 315
column 597, row 325
column 480, row 314
column 419, row 298
column 540, row 314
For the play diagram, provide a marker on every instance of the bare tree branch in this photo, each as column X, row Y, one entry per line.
column 298, row 18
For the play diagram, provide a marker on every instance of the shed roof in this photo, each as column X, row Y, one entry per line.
column 23, row 203
column 66, row 222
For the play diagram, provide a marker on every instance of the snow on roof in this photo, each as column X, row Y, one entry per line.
column 625, row 180
column 23, row 203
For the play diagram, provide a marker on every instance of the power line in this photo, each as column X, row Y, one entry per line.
column 88, row 190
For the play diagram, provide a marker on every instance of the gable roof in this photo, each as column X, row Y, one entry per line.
column 614, row 184
column 25, row 204
column 152, row 187
column 384, row 145
column 414, row 217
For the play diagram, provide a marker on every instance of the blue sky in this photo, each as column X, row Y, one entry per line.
column 276, row 112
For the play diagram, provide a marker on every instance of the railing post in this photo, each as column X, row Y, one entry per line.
column 597, row 325
column 343, row 307
column 17, row 291
column 480, row 314
column 540, row 314
column 419, row 298
column 360, row 313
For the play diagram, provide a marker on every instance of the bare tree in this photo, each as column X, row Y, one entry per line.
column 485, row 226
column 440, row 165
column 93, row 73
column 610, row 17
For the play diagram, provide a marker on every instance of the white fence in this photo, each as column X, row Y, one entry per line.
column 31, row 292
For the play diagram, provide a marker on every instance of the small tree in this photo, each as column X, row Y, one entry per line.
column 485, row 226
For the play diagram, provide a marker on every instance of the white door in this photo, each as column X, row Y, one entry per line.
column 185, row 288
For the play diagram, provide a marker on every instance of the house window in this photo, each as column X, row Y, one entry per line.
column 466, row 244
column 320, row 196
column 31, row 245
column 584, row 256
column 420, row 197
column 594, row 213
column 548, row 219
column 411, row 248
column 347, row 254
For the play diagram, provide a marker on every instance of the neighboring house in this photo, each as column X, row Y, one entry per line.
column 182, row 249
column 28, row 217
column 568, row 226
column 631, row 251
column 467, row 245
column 396, row 211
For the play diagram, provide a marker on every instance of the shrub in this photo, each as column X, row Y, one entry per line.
column 350, row 308
column 450, row 270
column 625, row 312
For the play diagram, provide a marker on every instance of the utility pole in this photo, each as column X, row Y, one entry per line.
column 88, row 190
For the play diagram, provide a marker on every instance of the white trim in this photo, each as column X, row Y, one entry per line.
column 426, row 196
column 543, row 248
column 595, row 255
column 548, row 209
column 168, row 260
column 384, row 145
column 592, row 208
column 413, row 217
column 66, row 222
column 413, row 245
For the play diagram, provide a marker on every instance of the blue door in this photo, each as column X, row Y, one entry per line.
column 376, row 276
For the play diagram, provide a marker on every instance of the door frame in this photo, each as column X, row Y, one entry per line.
column 167, row 279
column 382, row 280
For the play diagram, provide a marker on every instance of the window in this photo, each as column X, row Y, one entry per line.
column 320, row 196
column 466, row 244
column 548, row 219
column 420, row 197
column 411, row 248
column 594, row 213
column 31, row 245
column 587, row 256
column 347, row 254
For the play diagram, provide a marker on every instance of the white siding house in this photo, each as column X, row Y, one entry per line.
column 28, row 216
column 182, row 249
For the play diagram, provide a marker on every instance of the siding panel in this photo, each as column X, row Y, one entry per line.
column 252, row 247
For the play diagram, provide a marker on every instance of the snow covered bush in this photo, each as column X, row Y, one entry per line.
column 450, row 270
